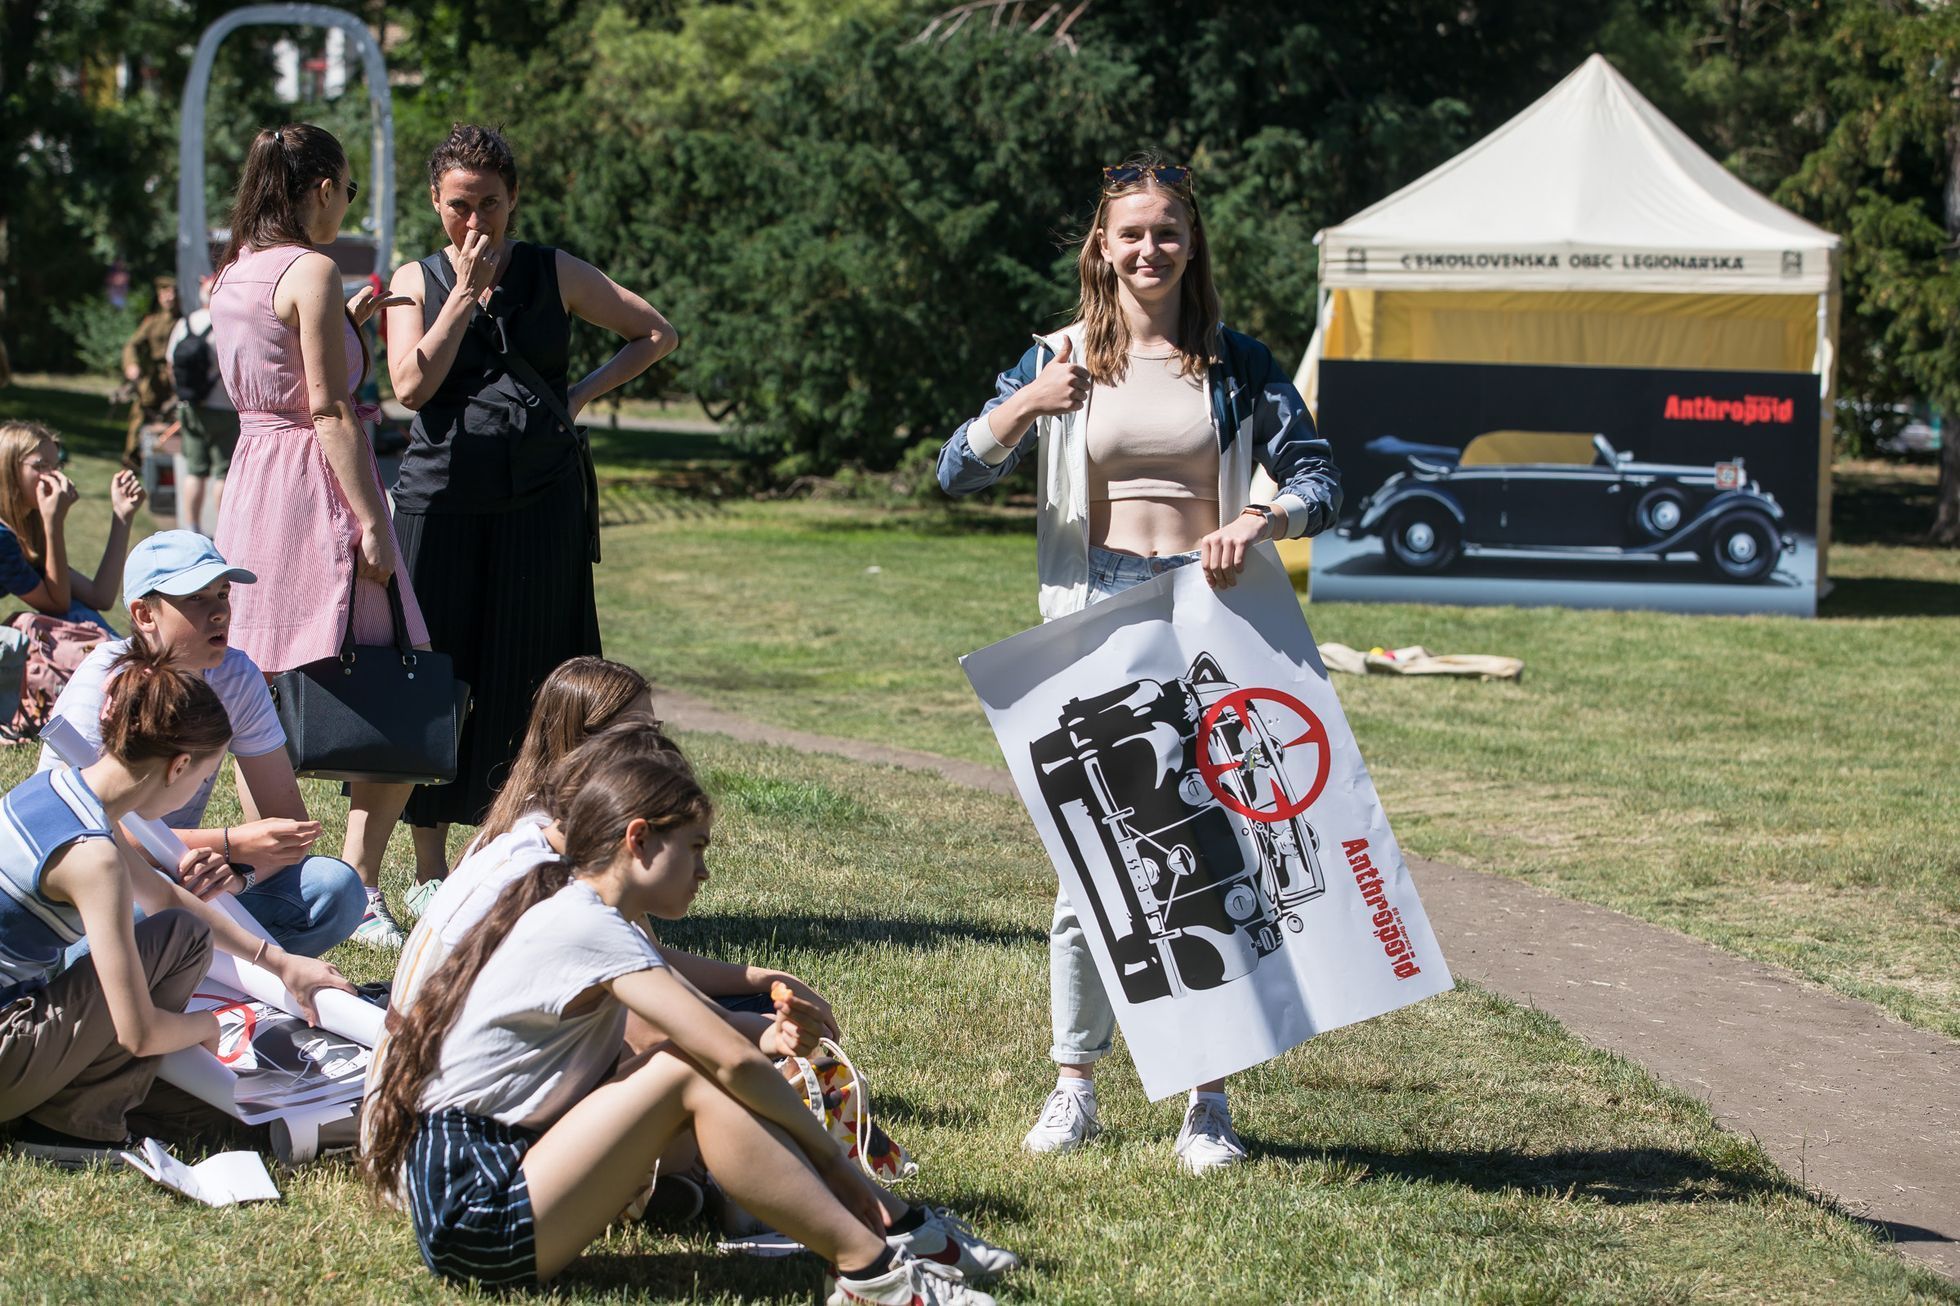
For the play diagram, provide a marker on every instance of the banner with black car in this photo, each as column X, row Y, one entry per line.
column 1475, row 483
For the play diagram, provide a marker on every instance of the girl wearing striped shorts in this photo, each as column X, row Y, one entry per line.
column 517, row 1130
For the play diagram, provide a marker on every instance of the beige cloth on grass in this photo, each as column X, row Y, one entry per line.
column 1416, row 660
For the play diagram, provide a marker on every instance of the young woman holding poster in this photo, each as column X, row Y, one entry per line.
column 1152, row 418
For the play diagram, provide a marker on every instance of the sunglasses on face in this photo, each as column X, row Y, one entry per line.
column 1128, row 174
column 353, row 190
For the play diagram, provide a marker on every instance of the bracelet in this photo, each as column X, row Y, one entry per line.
column 227, row 843
column 260, row 952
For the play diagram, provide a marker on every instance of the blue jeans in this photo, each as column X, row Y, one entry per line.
column 306, row 908
column 1083, row 1022
column 309, row 907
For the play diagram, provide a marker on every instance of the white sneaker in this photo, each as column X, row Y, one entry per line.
column 379, row 929
column 907, row 1283
column 418, row 899
column 946, row 1240
column 1068, row 1120
column 1207, row 1141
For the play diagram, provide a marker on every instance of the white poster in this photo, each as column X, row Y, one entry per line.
column 1194, row 780
column 269, row 1063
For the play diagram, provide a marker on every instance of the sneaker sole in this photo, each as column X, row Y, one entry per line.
column 66, row 1158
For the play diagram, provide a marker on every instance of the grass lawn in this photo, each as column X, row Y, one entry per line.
column 1782, row 788
column 1463, row 1149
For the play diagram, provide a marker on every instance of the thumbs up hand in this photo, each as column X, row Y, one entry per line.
column 1061, row 387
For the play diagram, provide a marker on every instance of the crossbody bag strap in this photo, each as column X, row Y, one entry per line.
column 491, row 328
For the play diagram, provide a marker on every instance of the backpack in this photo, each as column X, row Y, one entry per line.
column 194, row 365
column 55, row 649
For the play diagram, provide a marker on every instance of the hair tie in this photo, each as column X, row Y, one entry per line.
column 278, row 137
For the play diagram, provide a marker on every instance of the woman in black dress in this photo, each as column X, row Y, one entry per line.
column 491, row 501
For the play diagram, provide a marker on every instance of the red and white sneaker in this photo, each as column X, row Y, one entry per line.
column 907, row 1283
column 946, row 1240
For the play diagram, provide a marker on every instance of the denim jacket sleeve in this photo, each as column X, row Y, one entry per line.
column 972, row 459
column 1289, row 447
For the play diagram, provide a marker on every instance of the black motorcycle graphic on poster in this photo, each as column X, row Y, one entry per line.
column 1201, row 797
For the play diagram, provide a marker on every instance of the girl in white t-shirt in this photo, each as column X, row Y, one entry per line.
column 517, row 1131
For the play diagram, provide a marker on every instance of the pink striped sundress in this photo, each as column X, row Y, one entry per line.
column 284, row 516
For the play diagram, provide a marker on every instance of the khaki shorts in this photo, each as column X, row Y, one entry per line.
column 210, row 435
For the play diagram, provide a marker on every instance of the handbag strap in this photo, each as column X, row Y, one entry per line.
column 491, row 328
column 864, row 1106
column 397, row 614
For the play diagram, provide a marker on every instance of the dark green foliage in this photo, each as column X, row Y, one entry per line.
column 854, row 232
column 855, row 239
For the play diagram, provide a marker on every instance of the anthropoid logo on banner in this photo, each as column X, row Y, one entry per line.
column 1748, row 410
column 1618, row 487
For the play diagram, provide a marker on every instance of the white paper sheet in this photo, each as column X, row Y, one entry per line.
column 221, row 1180
column 1194, row 780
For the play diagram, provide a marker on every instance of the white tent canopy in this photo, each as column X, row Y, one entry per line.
column 1590, row 188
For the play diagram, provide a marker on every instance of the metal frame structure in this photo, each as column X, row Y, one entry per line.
column 193, row 224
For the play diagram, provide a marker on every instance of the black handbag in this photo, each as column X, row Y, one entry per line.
column 377, row 712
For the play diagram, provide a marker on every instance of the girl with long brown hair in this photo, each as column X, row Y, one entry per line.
column 514, row 1139
column 581, row 697
column 584, row 699
column 35, row 496
column 1151, row 416
column 304, row 509
column 78, row 1051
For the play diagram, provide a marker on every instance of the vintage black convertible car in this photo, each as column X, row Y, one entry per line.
column 1446, row 504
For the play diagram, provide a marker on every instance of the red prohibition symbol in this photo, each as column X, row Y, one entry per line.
column 249, row 1023
column 1243, row 704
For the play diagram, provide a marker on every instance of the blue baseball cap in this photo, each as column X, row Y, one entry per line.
column 176, row 563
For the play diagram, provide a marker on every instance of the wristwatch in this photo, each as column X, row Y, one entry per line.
column 1262, row 509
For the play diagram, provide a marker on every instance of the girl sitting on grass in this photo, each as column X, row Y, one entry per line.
column 518, row 1131
column 583, row 697
column 562, row 754
column 79, row 1047
column 35, row 496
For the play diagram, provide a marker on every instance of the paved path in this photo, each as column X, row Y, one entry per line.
column 1846, row 1099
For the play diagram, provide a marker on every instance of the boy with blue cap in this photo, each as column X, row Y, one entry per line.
column 178, row 588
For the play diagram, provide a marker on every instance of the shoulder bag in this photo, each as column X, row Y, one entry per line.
column 377, row 712
column 496, row 338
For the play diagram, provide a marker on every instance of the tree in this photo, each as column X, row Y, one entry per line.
column 1848, row 112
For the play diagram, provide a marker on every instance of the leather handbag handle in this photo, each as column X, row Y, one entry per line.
column 398, row 614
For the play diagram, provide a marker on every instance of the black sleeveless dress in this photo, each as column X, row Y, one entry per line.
column 489, row 508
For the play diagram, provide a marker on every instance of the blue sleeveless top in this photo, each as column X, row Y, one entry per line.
column 38, row 818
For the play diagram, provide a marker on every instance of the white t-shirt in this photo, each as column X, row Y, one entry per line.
column 512, row 1054
column 255, row 729
column 465, row 898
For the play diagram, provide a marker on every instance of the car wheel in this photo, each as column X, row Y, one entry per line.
column 1422, row 536
column 1742, row 547
column 1659, row 513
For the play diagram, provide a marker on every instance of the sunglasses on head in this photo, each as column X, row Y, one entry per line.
column 1129, row 174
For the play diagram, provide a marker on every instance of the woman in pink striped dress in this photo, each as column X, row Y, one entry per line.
column 304, row 509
